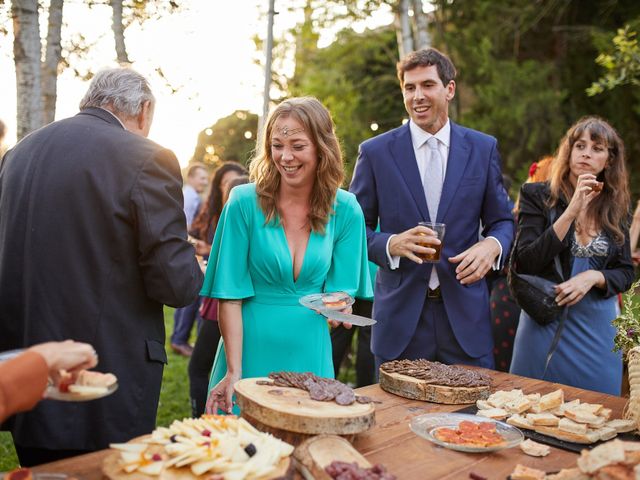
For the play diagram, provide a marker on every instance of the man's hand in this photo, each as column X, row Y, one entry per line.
column 475, row 262
column 412, row 242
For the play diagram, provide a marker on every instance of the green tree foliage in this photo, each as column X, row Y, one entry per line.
column 524, row 68
column 622, row 66
column 230, row 138
column 355, row 79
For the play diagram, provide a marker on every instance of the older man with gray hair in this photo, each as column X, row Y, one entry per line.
column 93, row 242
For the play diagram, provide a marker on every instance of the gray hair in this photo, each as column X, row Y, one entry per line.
column 122, row 89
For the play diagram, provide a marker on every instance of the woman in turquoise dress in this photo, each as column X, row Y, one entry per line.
column 291, row 233
column 588, row 189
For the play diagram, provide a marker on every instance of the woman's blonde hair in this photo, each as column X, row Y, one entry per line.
column 318, row 125
column 610, row 209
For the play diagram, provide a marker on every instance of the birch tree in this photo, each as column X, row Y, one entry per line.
column 26, row 52
column 118, row 32
column 403, row 28
column 52, row 59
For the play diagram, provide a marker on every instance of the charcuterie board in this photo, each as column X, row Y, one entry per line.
column 292, row 410
column 316, row 453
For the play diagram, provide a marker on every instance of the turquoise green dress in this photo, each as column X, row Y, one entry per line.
column 251, row 261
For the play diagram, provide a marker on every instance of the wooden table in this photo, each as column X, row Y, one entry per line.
column 408, row 456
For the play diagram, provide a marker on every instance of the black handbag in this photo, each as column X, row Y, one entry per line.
column 535, row 295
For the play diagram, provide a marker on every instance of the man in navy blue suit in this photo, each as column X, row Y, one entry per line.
column 432, row 169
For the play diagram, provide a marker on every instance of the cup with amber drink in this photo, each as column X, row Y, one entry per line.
column 438, row 229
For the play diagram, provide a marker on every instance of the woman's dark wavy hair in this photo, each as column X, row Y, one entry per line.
column 610, row 209
column 205, row 223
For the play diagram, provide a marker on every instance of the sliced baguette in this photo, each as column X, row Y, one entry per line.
column 551, row 400
column 544, row 418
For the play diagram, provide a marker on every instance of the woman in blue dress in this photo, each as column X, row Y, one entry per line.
column 588, row 188
column 291, row 233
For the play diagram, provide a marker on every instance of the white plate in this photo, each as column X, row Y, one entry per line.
column 52, row 393
column 314, row 301
column 426, row 426
column 9, row 354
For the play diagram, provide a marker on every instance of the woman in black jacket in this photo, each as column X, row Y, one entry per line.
column 589, row 196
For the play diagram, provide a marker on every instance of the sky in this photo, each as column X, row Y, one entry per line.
column 206, row 52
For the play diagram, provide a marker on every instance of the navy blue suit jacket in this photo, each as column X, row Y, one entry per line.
column 387, row 184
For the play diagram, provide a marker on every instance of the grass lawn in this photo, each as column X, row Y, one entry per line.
column 174, row 397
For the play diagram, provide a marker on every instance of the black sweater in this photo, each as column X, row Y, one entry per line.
column 537, row 244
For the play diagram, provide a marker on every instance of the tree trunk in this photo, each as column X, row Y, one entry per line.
column 26, row 52
column 52, row 61
column 403, row 28
column 423, row 39
column 118, row 32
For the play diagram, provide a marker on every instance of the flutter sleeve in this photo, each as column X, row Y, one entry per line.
column 349, row 270
column 228, row 276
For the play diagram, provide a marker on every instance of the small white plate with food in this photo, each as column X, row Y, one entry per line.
column 327, row 301
column 88, row 385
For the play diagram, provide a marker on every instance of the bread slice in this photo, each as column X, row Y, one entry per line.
column 483, row 405
column 621, row 425
column 568, row 425
column 577, row 414
column 526, row 473
column 599, row 422
column 594, row 408
column 535, row 449
column 518, row 405
column 520, row 421
column 585, row 438
column 609, row 453
column 606, row 433
column 605, row 412
column 559, row 411
column 551, row 400
column 533, row 397
column 493, row 413
column 501, row 397
column 544, row 418
column 616, row 472
column 568, row 474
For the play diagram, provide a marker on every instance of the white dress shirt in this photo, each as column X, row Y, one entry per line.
column 419, row 140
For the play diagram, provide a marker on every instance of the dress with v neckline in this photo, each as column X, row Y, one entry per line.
column 251, row 260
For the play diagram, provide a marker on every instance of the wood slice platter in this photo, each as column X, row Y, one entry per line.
column 112, row 470
column 415, row 389
column 314, row 454
column 293, row 410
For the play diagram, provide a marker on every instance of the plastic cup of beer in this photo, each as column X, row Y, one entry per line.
column 439, row 229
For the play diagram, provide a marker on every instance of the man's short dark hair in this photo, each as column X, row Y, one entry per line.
column 424, row 58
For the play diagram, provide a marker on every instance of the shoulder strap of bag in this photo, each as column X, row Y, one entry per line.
column 565, row 310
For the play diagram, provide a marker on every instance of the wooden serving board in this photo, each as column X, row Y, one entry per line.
column 416, row 389
column 111, row 468
column 293, row 410
column 314, row 454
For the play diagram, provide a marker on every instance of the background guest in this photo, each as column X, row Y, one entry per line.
column 194, row 186
column 590, row 234
column 184, row 318
column 23, row 379
column 293, row 232
column 227, row 176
